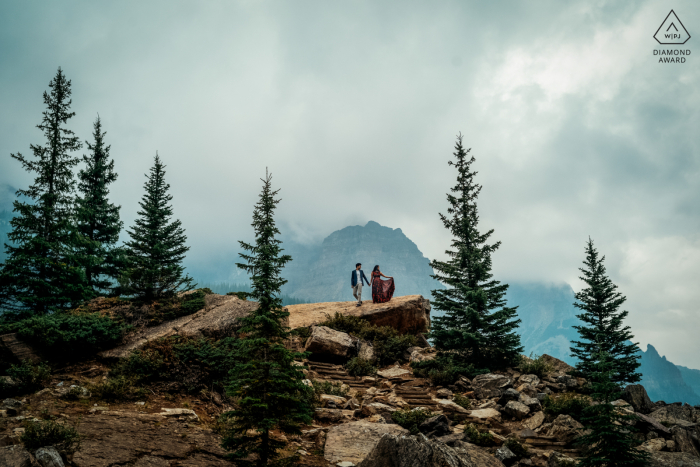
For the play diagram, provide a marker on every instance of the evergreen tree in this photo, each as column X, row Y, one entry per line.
column 40, row 274
column 477, row 327
column 157, row 246
column 266, row 383
column 610, row 442
column 603, row 331
column 97, row 219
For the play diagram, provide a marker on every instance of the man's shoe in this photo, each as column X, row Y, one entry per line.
column 359, row 304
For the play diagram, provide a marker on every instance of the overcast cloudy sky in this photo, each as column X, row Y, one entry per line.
column 577, row 129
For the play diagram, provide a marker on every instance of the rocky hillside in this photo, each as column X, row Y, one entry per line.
column 390, row 417
column 321, row 273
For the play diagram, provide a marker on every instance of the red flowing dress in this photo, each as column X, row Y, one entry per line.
column 382, row 291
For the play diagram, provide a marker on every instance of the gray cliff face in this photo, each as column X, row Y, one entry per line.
column 323, row 273
column 663, row 380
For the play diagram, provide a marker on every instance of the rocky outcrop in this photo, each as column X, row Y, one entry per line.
column 405, row 451
column 16, row 456
column 352, row 442
column 637, row 397
column 219, row 318
column 409, row 314
column 673, row 459
column 329, row 343
column 121, row 438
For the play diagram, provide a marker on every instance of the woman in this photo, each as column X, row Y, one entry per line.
column 381, row 290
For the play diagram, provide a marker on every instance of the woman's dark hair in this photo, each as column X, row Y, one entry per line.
column 376, row 268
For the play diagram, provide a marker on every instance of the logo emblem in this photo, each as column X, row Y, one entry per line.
column 672, row 31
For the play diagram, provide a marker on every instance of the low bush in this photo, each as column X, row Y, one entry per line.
column 303, row 332
column 535, row 365
column 389, row 345
column 26, row 377
column 360, row 367
column 443, row 370
column 477, row 437
column 64, row 438
column 411, row 419
column 326, row 387
column 241, row 295
column 516, row 447
column 567, row 404
column 64, row 335
column 462, row 401
column 117, row 388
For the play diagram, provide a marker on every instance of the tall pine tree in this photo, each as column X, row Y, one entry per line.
column 266, row 383
column 603, row 331
column 609, row 441
column 97, row 219
column 157, row 246
column 477, row 327
column 40, row 274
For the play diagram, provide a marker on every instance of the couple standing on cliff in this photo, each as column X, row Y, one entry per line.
column 382, row 291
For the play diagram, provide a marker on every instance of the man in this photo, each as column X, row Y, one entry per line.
column 356, row 282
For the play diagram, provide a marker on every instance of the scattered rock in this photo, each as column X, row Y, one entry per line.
column 646, row 423
column 182, row 414
column 653, row 445
column 366, row 351
column 435, row 426
column 535, row 421
column 638, row 398
column 480, row 457
column 672, row 414
column 450, row 406
column 49, row 457
column 673, row 459
column 333, row 415
column 557, row 459
column 490, row 385
column 565, row 428
column 352, row 441
column 451, row 439
column 15, row 456
column 486, row 414
column 329, row 342
column 532, row 380
column 443, row 394
column 567, row 380
column 686, row 439
column 531, row 403
column 376, row 408
column 505, row 455
column 516, row 409
column 402, row 451
column 332, row 402
column 393, row 372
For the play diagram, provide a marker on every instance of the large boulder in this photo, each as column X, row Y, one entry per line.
column 673, row 459
column 16, row 456
column 353, row 441
column 220, row 317
column 49, row 457
column 565, row 428
column 535, row 421
column 480, row 456
column 490, row 385
column 412, row 451
column 438, row 426
column 409, row 314
column 687, row 439
column 637, row 397
column 328, row 342
column 517, row 410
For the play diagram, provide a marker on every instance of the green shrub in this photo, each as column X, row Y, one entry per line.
column 304, row 332
column 535, row 366
column 462, row 401
column 389, row 345
column 443, row 370
column 326, row 387
column 63, row 335
column 191, row 303
column 567, row 404
column 240, row 295
column 411, row 419
column 64, row 438
column 26, row 377
column 117, row 388
column 360, row 367
column 477, row 437
column 517, row 448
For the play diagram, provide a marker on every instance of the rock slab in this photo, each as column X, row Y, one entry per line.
column 405, row 451
column 353, row 441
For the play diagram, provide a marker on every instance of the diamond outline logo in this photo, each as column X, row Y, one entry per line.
column 677, row 31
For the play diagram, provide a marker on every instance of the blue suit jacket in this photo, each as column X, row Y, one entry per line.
column 353, row 279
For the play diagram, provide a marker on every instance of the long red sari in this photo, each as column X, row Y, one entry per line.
column 382, row 291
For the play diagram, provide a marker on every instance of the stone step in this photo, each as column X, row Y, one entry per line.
column 544, row 442
column 331, row 372
column 19, row 349
column 414, row 396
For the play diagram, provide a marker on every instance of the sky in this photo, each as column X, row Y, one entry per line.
column 354, row 108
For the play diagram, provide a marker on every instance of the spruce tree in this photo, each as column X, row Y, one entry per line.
column 97, row 219
column 610, row 441
column 266, row 383
column 602, row 331
column 40, row 274
column 477, row 328
column 157, row 246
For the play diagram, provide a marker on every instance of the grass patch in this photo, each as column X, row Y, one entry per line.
column 360, row 367
column 26, row 377
column 517, row 448
column 64, row 438
column 443, row 370
column 478, row 437
column 117, row 388
column 566, row 404
column 326, row 387
column 462, row 401
column 411, row 419
column 535, row 365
